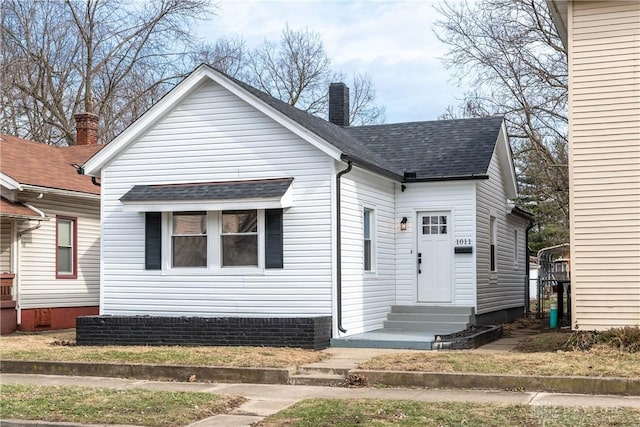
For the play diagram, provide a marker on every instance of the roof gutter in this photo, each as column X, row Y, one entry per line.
column 59, row 192
column 339, row 246
column 447, row 178
column 373, row 168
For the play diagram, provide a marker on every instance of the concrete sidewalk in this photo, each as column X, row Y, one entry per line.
column 264, row 400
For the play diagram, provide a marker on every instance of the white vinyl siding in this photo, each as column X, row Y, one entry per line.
column 504, row 288
column 5, row 246
column 604, row 138
column 39, row 287
column 455, row 197
column 367, row 296
column 214, row 136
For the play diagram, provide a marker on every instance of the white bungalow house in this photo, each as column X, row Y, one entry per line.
column 50, row 234
column 229, row 217
column 603, row 42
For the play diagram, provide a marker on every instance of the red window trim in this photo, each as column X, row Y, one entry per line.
column 74, row 252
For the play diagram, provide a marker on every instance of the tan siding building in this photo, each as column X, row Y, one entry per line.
column 603, row 41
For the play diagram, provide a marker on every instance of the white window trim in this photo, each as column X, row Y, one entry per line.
column 214, row 249
column 373, row 238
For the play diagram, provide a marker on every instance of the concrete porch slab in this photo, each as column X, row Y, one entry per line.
column 387, row 338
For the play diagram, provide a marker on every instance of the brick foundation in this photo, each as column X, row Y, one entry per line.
column 39, row 319
column 301, row 332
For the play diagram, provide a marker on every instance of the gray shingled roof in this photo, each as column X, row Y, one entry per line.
column 208, row 191
column 434, row 149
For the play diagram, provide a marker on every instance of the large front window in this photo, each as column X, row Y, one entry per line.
column 189, row 239
column 214, row 240
column 239, row 238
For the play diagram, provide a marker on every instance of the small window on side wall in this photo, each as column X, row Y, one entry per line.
column 492, row 243
column 66, row 248
column 369, row 239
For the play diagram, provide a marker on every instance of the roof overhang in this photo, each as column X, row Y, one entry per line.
column 9, row 183
column 210, row 196
column 200, row 75
column 559, row 14
column 20, row 211
column 517, row 211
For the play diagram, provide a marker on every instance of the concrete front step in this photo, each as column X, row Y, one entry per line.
column 437, row 327
column 426, row 309
column 326, row 380
column 378, row 343
column 430, row 317
column 312, row 369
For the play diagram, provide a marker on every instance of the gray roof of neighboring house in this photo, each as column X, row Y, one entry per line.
column 208, row 190
column 431, row 149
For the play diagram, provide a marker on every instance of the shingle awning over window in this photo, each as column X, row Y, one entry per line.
column 222, row 195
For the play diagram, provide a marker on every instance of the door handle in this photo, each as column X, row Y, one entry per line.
column 419, row 262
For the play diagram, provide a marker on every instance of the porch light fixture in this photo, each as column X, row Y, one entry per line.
column 403, row 224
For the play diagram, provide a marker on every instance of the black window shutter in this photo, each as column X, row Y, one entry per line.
column 273, row 238
column 153, row 241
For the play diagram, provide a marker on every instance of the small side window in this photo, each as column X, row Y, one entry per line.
column 492, row 242
column 66, row 248
column 369, row 239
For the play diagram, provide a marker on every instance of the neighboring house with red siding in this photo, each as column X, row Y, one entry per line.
column 50, row 234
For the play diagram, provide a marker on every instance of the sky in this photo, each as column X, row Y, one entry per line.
column 392, row 41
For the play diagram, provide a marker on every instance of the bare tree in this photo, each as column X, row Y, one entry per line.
column 108, row 57
column 228, row 55
column 298, row 71
column 362, row 95
column 512, row 57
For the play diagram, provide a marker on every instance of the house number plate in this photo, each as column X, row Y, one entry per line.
column 463, row 242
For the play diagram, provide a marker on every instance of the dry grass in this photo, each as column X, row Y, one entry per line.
column 597, row 363
column 370, row 412
column 106, row 406
column 59, row 346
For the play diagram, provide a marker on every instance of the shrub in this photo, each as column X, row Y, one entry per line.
column 625, row 339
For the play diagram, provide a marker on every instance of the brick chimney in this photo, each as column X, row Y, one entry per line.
column 339, row 104
column 86, row 129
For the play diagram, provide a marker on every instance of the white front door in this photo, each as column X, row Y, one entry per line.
column 434, row 257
